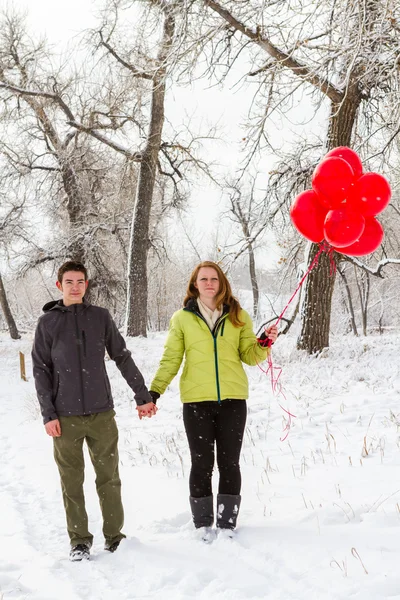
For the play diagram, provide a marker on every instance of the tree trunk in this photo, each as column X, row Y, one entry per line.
column 75, row 202
column 136, row 310
column 5, row 307
column 349, row 307
column 316, row 305
column 254, row 282
column 75, row 205
column 316, row 309
column 363, row 290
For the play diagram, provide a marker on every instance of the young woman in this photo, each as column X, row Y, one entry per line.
column 215, row 335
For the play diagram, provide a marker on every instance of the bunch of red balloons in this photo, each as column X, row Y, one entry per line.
column 342, row 205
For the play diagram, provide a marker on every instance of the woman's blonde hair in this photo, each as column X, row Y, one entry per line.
column 224, row 295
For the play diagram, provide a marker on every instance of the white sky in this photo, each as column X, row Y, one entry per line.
column 59, row 21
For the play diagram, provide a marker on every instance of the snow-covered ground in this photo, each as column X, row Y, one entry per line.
column 320, row 515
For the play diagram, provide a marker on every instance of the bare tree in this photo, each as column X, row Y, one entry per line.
column 5, row 307
column 10, row 227
column 348, row 302
column 157, row 156
column 79, row 191
column 249, row 211
column 344, row 55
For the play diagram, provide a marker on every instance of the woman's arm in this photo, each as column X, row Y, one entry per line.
column 174, row 350
column 250, row 351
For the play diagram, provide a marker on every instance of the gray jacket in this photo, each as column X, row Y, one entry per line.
column 68, row 361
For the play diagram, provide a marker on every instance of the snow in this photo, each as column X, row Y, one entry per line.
column 320, row 511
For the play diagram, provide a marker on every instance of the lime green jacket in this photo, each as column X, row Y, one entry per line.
column 213, row 367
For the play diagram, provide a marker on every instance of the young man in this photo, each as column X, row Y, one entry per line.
column 76, row 402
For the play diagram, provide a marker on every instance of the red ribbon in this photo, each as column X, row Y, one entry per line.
column 272, row 369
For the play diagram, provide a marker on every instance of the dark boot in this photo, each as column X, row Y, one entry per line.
column 202, row 511
column 227, row 511
column 79, row 552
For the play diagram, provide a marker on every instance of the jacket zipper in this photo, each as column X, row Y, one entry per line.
column 214, row 334
column 222, row 328
column 79, row 344
column 216, row 368
column 84, row 343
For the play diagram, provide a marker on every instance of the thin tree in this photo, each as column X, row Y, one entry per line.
column 5, row 307
column 249, row 213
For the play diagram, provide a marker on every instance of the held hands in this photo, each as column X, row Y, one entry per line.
column 146, row 410
column 53, row 428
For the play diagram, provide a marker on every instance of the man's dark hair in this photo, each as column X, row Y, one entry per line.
column 71, row 265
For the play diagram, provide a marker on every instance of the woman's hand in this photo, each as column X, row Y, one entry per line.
column 272, row 333
column 146, row 410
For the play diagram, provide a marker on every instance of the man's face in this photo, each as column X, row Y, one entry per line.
column 73, row 287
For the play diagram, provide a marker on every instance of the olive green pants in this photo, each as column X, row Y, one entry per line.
column 101, row 435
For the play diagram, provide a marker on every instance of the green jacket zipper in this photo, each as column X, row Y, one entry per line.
column 214, row 334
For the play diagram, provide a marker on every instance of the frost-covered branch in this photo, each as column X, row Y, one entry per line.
column 133, row 70
column 284, row 59
column 133, row 156
column 377, row 271
column 39, row 94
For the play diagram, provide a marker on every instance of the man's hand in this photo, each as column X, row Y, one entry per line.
column 53, row 428
column 146, row 410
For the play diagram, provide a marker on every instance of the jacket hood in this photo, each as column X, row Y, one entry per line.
column 191, row 304
column 58, row 305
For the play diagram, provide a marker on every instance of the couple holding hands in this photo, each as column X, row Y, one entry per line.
column 215, row 337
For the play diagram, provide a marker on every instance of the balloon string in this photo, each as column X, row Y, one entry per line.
column 276, row 385
column 323, row 247
column 277, row 391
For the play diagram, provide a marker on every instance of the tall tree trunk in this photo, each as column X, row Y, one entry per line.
column 254, row 282
column 75, row 204
column 5, row 307
column 136, row 310
column 317, row 303
column 71, row 185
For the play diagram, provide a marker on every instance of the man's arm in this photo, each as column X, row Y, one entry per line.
column 43, row 372
column 118, row 352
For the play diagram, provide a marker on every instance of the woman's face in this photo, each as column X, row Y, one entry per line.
column 207, row 282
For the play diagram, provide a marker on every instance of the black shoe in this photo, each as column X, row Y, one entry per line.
column 112, row 547
column 80, row 552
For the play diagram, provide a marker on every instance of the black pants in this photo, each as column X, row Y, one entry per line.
column 208, row 424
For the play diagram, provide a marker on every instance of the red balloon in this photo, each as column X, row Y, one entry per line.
column 371, row 194
column 350, row 157
column 331, row 181
column 308, row 216
column 343, row 227
column 370, row 239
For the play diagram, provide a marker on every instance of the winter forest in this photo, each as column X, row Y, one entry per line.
column 159, row 134
column 104, row 160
